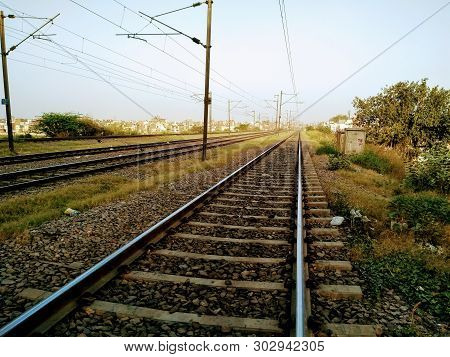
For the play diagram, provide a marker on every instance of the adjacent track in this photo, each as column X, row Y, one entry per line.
column 11, row 181
column 223, row 264
column 10, row 160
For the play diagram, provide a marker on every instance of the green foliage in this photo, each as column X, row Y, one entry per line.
column 326, row 148
column 338, row 162
column 196, row 129
column 339, row 204
column 407, row 115
column 431, row 172
column 425, row 214
column 243, row 127
column 339, row 118
column 371, row 160
column 68, row 125
column 320, row 128
column 410, row 278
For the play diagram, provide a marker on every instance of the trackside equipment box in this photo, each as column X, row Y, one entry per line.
column 351, row 140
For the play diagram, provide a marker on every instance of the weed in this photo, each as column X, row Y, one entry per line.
column 326, row 148
column 412, row 279
column 371, row 160
column 425, row 214
column 431, row 171
column 338, row 162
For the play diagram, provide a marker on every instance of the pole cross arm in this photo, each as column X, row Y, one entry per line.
column 31, row 34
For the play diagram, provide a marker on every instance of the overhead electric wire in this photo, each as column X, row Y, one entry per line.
column 156, row 47
column 190, row 52
column 287, row 42
column 95, row 79
column 111, row 69
column 119, row 54
column 99, row 75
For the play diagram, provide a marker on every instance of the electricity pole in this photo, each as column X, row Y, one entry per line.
column 7, row 100
column 207, row 68
column 277, row 109
column 280, row 113
column 5, row 52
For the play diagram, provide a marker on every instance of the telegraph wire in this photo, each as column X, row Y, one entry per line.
column 157, row 48
column 191, row 53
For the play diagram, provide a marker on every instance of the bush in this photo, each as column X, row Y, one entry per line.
column 425, row 214
column 320, row 128
column 326, row 148
column 338, row 162
column 431, row 171
column 412, row 279
column 371, row 160
column 68, row 125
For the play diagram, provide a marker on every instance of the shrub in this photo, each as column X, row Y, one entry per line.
column 68, row 125
column 338, row 162
column 326, row 148
column 412, row 279
column 371, row 160
column 431, row 171
column 425, row 214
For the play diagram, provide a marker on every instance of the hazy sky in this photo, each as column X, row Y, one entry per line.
column 329, row 40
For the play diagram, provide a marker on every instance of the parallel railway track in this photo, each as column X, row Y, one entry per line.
column 15, row 180
column 10, row 160
column 228, row 263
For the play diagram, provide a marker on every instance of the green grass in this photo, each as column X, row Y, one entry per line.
column 327, row 148
column 371, row 160
column 419, row 285
column 18, row 214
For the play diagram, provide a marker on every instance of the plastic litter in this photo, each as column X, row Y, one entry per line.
column 71, row 212
column 337, row 220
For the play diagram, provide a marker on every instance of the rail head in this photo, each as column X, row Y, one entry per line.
column 300, row 316
column 41, row 317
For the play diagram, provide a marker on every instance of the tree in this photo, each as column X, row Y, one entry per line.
column 243, row 127
column 58, row 124
column 406, row 115
column 339, row 118
column 68, row 125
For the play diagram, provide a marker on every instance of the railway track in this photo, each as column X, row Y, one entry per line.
column 10, row 160
column 246, row 257
column 10, row 181
column 220, row 265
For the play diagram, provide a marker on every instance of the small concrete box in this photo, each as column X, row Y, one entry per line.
column 352, row 141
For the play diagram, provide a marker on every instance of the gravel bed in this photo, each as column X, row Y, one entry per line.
column 333, row 277
column 81, row 324
column 193, row 298
column 231, row 249
column 89, row 237
column 238, row 220
column 390, row 312
column 223, row 270
column 254, row 202
column 234, row 233
column 319, row 253
column 44, row 276
column 243, row 210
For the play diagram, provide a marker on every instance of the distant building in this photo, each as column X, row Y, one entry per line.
column 340, row 124
column 20, row 126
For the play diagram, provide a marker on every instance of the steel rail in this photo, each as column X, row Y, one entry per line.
column 132, row 159
column 9, row 160
column 41, row 317
column 300, row 315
